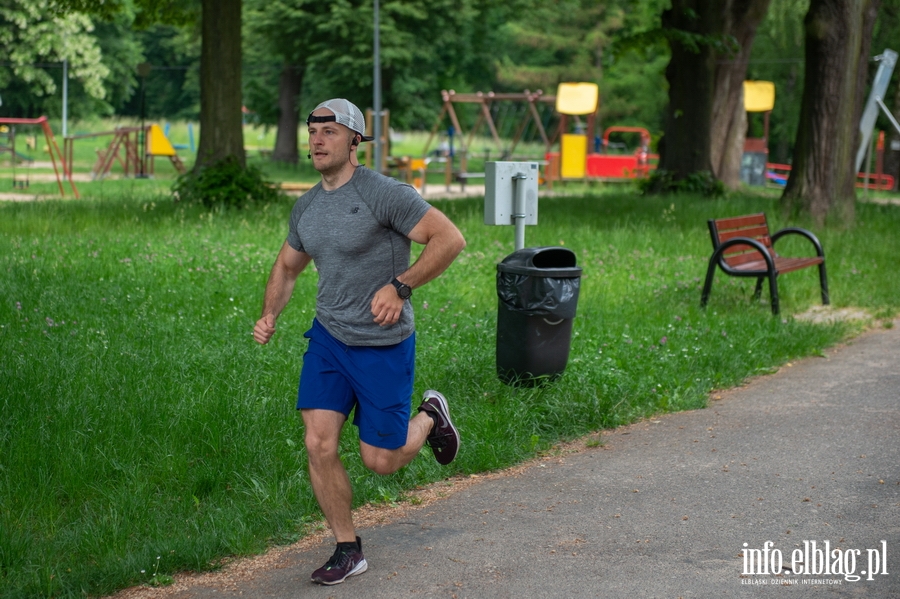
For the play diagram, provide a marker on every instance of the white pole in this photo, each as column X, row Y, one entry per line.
column 376, row 91
column 65, row 97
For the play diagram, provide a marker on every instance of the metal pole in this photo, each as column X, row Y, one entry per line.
column 143, row 70
column 888, row 114
column 65, row 98
column 142, row 141
column 376, row 91
column 519, row 211
column 869, row 167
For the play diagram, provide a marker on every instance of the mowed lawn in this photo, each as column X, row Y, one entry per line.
column 143, row 432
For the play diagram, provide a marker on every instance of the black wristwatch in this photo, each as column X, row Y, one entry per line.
column 403, row 290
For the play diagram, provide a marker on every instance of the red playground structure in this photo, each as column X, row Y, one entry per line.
column 52, row 148
column 618, row 167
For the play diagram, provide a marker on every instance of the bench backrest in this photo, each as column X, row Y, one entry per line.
column 753, row 226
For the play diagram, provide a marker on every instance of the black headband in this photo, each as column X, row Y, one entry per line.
column 321, row 119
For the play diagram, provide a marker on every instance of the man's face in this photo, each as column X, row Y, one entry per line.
column 329, row 144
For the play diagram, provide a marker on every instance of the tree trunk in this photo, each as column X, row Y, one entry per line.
column 221, row 132
column 783, row 150
column 685, row 147
column 823, row 178
column 729, row 119
column 286, row 136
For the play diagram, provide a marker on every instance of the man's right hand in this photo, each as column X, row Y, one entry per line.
column 264, row 329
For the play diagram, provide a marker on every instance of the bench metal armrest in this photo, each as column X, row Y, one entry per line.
column 722, row 247
column 802, row 232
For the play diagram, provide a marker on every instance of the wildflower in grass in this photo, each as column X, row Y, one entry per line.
column 664, row 340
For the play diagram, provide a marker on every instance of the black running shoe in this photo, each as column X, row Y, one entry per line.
column 344, row 563
column 443, row 438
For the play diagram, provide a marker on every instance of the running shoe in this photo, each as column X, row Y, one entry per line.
column 443, row 438
column 344, row 563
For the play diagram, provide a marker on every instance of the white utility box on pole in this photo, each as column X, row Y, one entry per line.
column 511, row 196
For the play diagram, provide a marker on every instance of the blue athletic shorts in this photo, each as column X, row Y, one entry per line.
column 377, row 381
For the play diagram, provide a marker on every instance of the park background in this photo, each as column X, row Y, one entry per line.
column 144, row 434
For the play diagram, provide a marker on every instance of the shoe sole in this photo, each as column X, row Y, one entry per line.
column 359, row 569
column 446, row 409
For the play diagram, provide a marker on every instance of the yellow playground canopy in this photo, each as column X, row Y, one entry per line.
column 759, row 96
column 577, row 98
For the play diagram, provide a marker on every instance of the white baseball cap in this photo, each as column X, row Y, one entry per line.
column 345, row 113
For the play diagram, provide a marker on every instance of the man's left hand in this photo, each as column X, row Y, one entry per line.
column 387, row 305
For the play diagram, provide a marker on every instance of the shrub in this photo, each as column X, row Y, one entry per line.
column 226, row 183
column 701, row 182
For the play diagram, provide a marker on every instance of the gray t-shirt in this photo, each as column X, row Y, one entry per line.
column 357, row 237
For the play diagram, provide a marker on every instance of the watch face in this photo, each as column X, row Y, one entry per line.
column 403, row 290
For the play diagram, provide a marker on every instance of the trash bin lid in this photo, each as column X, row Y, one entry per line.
column 549, row 261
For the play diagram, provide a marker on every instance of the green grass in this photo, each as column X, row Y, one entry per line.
column 143, row 432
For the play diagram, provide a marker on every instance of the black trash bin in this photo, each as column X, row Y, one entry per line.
column 537, row 291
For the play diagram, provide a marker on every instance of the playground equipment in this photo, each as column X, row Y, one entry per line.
column 759, row 96
column 501, row 113
column 551, row 117
column 52, row 148
column 887, row 60
column 608, row 162
column 485, row 103
column 15, row 156
column 124, row 148
column 609, row 166
column 576, row 99
column 188, row 146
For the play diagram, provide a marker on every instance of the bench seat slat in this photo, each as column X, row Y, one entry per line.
column 726, row 224
column 781, row 264
column 759, row 233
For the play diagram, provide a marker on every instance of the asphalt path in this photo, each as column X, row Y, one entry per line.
column 789, row 471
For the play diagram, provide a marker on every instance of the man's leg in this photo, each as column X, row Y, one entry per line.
column 431, row 424
column 388, row 461
column 329, row 479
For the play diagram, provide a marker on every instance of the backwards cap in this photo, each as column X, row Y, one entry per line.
column 345, row 113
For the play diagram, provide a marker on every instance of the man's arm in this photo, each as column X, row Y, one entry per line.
column 288, row 266
column 443, row 242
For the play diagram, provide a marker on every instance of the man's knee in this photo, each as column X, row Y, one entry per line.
column 319, row 446
column 323, row 431
column 380, row 461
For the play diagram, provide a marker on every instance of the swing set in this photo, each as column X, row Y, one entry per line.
column 61, row 170
column 493, row 110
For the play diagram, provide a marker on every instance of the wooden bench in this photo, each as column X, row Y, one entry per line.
column 743, row 247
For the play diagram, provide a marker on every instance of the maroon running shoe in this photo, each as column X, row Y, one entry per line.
column 344, row 563
column 443, row 438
